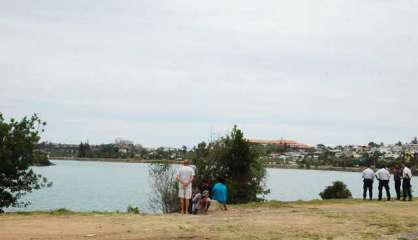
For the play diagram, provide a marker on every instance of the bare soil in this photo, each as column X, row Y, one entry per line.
column 345, row 219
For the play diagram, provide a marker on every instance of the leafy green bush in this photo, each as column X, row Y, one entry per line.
column 132, row 210
column 18, row 143
column 237, row 161
column 338, row 190
column 60, row 211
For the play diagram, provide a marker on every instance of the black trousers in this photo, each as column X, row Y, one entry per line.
column 384, row 184
column 398, row 189
column 406, row 188
column 368, row 185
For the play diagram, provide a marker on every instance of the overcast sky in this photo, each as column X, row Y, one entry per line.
column 168, row 73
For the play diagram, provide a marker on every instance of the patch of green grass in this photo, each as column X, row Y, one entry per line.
column 329, row 201
column 226, row 228
column 268, row 204
column 186, row 227
column 307, row 235
column 132, row 210
column 280, row 204
column 368, row 235
column 61, row 211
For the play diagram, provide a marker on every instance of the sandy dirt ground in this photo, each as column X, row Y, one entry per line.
column 350, row 219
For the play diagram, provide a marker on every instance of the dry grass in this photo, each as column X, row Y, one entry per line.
column 344, row 219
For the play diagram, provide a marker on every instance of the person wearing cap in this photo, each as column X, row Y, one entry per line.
column 368, row 176
column 185, row 175
column 383, row 175
column 406, row 182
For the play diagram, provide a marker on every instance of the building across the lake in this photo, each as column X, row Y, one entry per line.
column 281, row 142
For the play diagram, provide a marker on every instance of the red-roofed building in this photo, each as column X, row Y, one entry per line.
column 281, row 142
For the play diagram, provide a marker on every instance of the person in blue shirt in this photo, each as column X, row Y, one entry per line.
column 220, row 192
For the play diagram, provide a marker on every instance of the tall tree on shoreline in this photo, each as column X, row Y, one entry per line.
column 237, row 161
column 18, row 141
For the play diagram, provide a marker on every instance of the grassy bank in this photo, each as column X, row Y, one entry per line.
column 336, row 219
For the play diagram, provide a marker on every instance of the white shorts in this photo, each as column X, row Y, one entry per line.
column 185, row 192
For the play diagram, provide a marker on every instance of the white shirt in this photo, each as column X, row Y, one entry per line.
column 368, row 174
column 383, row 174
column 406, row 173
column 185, row 173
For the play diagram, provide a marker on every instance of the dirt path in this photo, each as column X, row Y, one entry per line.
column 316, row 220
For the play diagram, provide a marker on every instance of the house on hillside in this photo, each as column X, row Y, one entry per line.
column 282, row 142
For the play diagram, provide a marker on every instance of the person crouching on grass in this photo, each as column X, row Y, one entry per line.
column 220, row 192
column 185, row 177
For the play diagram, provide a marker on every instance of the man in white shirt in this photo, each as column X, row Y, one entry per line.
column 368, row 176
column 383, row 175
column 406, row 182
column 185, row 177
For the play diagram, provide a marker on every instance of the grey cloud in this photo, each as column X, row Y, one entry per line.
column 166, row 72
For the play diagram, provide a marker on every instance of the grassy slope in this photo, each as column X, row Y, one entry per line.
column 336, row 219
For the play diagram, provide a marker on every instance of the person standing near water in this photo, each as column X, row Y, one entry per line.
column 185, row 177
column 368, row 176
column 383, row 175
column 406, row 183
column 397, row 177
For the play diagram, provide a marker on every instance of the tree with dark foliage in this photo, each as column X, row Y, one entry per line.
column 18, row 141
column 338, row 190
column 237, row 161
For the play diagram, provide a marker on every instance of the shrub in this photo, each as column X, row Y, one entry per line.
column 132, row 210
column 61, row 211
column 164, row 197
column 237, row 161
column 338, row 190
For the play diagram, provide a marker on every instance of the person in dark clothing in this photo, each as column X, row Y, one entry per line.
column 397, row 177
column 205, row 186
column 406, row 183
column 383, row 175
column 368, row 176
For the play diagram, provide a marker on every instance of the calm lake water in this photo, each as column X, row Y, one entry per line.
column 104, row 186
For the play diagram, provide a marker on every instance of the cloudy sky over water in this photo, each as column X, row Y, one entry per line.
column 173, row 72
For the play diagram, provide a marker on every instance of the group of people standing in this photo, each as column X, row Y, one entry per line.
column 402, row 177
column 202, row 197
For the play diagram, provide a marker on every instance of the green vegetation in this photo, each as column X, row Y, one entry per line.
column 164, row 184
column 40, row 158
column 237, row 161
column 18, row 142
column 132, row 210
column 67, row 212
column 338, row 190
column 231, row 157
column 112, row 151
